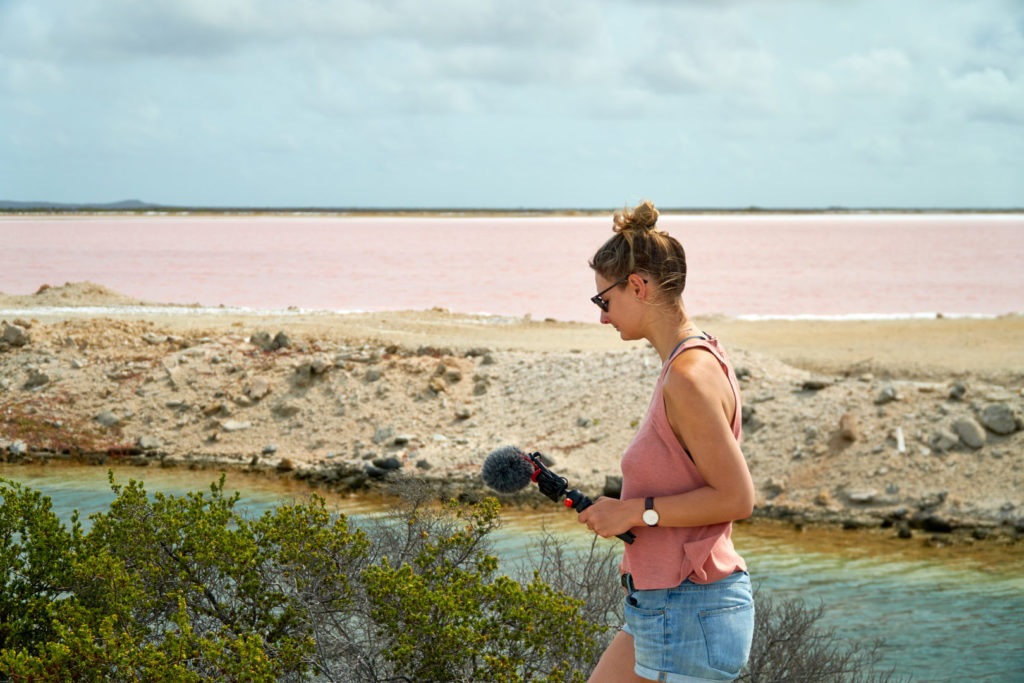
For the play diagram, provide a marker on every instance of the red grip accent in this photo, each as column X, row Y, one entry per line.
column 568, row 503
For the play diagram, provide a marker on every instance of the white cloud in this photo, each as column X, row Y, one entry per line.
column 578, row 89
column 881, row 71
column 989, row 95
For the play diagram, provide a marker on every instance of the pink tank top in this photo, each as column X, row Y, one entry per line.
column 655, row 464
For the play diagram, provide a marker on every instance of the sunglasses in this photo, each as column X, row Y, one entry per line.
column 598, row 298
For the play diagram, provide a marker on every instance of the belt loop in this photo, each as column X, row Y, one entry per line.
column 627, row 583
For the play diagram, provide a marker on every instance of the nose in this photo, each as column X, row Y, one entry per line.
column 604, row 318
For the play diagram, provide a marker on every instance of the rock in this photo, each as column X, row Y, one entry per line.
column 151, row 338
column 943, row 441
column 887, row 395
column 215, row 408
column 402, row 439
column 488, row 359
column 463, row 413
column 149, row 443
column 453, row 376
column 957, row 391
column 372, row 375
column 970, row 433
column 18, row 448
column 823, row 498
column 773, row 487
column 374, row 471
column 382, row 434
column 285, row 465
column 265, row 343
column 424, row 465
column 814, row 384
column 750, row 422
column 36, row 378
column 303, row 376
column 285, row 409
column 934, row 524
column 612, row 486
column 343, row 358
column 108, row 419
column 234, row 425
column 742, row 374
column 174, row 376
column 281, row 341
column 932, row 500
column 15, row 335
column 269, row 449
column 263, row 340
column 862, row 496
column 998, row 418
column 848, row 428
column 242, row 401
column 388, row 464
column 257, row 388
column 480, row 387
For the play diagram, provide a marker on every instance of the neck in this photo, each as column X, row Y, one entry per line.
column 666, row 333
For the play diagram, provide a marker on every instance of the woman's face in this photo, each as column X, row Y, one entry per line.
column 622, row 313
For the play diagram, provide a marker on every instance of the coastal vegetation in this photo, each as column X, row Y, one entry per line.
column 189, row 588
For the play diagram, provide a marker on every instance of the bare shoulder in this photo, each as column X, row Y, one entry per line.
column 693, row 371
column 696, row 380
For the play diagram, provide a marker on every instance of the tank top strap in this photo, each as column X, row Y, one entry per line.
column 706, row 341
column 683, row 346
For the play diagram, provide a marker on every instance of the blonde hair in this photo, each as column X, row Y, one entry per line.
column 638, row 246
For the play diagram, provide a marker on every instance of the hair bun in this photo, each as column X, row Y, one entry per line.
column 641, row 218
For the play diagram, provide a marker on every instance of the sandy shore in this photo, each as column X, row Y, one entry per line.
column 909, row 424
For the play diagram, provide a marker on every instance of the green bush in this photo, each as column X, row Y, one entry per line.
column 186, row 588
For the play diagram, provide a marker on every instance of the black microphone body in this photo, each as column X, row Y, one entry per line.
column 508, row 469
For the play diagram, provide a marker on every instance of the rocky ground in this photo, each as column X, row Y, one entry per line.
column 934, row 454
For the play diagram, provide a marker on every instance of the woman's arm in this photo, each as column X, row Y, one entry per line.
column 700, row 404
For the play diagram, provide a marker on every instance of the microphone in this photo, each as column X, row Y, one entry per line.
column 508, row 469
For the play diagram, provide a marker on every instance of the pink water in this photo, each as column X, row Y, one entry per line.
column 792, row 265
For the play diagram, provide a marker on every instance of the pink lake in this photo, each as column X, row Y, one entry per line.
column 755, row 265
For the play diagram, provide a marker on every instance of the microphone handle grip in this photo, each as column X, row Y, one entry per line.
column 581, row 502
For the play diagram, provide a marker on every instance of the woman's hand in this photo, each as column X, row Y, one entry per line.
column 609, row 517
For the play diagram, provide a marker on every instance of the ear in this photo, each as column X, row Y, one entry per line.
column 638, row 285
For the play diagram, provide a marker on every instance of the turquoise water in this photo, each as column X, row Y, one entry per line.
column 944, row 615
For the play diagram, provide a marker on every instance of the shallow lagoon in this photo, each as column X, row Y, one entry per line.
column 946, row 614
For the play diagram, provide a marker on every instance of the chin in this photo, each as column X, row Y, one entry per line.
column 626, row 336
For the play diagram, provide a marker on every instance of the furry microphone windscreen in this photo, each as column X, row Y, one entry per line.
column 506, row 470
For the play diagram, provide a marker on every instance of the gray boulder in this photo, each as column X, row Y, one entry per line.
column 15, row 335
column 970, row 433
column 108, row 419
column 887, row 395
column 943, row 441
column 36, row 378
column 998, row 418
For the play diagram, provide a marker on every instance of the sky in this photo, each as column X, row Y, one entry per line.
column 526, row 104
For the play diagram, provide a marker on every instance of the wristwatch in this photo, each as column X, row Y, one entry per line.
column 651, row 515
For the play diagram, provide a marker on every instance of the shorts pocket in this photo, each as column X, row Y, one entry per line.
column 728, row 633
column 647, row 626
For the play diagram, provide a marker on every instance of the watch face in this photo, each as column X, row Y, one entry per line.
column 650, row 517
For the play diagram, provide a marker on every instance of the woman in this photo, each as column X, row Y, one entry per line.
column 689, row 608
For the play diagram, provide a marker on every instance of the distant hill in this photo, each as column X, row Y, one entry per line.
column 125, row 205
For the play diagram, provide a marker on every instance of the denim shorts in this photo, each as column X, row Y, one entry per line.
column 693, row 632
